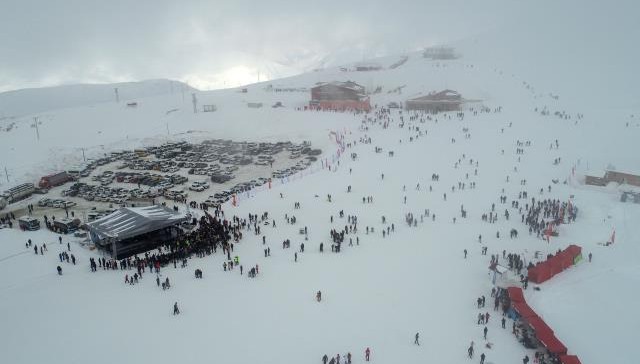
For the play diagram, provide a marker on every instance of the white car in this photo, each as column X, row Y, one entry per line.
column 58, row 204
column 196, row 187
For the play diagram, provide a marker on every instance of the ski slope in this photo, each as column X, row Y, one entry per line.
column 379, row 293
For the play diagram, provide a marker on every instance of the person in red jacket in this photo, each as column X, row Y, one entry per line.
column 367, row 353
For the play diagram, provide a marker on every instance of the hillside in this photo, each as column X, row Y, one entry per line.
column 38, row 100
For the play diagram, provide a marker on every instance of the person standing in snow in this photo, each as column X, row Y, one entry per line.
column 416, row 340
column 319, row 296
column 367, row 354
column 324, row 359
column 485, row 332
column 176, row 310
column 482, row 358
column 59, row 270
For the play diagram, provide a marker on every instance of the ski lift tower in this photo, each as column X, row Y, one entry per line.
column 195, row 103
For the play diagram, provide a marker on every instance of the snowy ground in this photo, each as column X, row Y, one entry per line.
column 377, row 294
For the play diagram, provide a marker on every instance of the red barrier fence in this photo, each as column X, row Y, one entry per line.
column 543, row 332
column 543, row 271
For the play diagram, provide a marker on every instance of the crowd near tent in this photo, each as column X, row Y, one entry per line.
column 131, row 230
column 543, row 271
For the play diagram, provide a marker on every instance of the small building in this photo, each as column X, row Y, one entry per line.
column 209, row 108
column 446, row 100
column 133, row 230
column 339, row 96
column 440, row 53
column 368, row 66
column 613, row 176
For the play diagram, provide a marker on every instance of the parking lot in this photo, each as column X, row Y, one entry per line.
column 209, row 172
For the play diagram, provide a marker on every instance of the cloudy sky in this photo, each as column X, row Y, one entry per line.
column 213, row 44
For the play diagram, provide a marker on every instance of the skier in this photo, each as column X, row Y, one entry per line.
column 59, row 270
column 465, row 254
column 367, row 354
column 324, row 359
column 319, row 296
column 482, row 358
column 176, row 310
column 416, row 340
column 485, row 332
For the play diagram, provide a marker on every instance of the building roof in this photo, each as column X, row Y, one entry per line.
column 347, row 84
column 132, row 221
column 442, row 96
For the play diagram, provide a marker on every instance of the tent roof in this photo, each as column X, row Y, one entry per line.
column 515, row 294
column 574, row 250
column 523, row 309
column 538, row 325
column 132, row 221
column 551, row 342
column 569, row 359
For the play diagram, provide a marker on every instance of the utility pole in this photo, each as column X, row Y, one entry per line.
column 195, row 103
column 117, row 96
column 35, row 125
column 6, row 173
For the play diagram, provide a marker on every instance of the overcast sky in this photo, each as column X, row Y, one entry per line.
column 213, row 44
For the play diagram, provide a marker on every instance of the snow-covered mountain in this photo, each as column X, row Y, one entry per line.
column 37, row 100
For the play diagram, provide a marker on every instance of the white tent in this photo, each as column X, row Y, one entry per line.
column 128, row 222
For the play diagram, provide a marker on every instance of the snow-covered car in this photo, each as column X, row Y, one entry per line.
column 196, row 187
